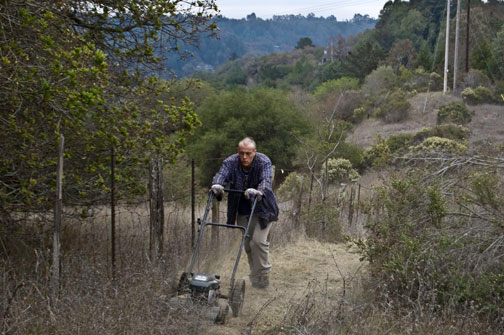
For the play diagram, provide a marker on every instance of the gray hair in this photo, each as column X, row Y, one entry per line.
column 247, row 141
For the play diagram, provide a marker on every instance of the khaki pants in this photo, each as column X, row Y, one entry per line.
column 257, row 247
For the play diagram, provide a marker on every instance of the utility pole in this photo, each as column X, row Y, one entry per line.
column 455, row 59
column 447, row 46
column 467, row 35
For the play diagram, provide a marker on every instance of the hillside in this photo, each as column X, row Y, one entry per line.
column 256, row 37
column 487, row 122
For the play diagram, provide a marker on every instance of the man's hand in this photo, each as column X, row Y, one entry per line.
column 217, row 189
column 250, row 193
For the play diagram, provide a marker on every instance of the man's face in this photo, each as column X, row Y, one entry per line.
column 247, row 154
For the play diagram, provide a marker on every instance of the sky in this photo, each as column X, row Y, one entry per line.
column 265, row 9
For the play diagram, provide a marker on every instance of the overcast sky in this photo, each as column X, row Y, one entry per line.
column 265, row 9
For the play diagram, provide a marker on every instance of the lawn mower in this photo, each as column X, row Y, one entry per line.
column 205, row 288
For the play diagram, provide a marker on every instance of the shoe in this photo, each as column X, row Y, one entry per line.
column 261, row 282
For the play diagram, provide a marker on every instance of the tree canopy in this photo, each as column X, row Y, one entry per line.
column 81, row 69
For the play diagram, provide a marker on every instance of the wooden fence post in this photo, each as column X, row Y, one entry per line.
column 112, row 214
column 299, row 199
column 350, row 204
column 56, row 264
column 156, row 202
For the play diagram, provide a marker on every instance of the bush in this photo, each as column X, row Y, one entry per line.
column 290, row 187
column 499, row 91
column 378, row 155
column 475, row 78
column 439, row 144
column 395, row 108
column 399, row 142
column 340, row 170
column 336, row 85
column 450, row 131
column 479, row 95
column 378, row 83
column 421, row 81
column 455, row 112
column 322, row 222
column 359, row 114
column 426, row 248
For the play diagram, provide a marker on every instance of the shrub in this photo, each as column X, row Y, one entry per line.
column 378, row 155
column 439, row 144
column 322, row 222
column 450, row 131
column 341, row 170
column 479, row 95
column 399, row 142
column 378, row 83
column 359, row 114
column 422, row 81
column 499, row 91
column 475, row 78
column 395, row 108
column 430, row 249
column 336, row 85
column 290, row 187
column 455, row 112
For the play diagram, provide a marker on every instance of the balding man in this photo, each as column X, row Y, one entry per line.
column 250, row 171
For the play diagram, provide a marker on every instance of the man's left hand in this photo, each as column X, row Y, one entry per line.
column 250, row 193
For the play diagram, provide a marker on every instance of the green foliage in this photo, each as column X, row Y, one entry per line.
column 303, row 73
column 379, row 83
column 340, row 170
column 262, row 37
column 450, row 131
column 455, row 112
column 395, row 107
column 399, row 142
column 304, row 42
column 263, row 113
column 363, row 58
column 439, row 144
column 336, row 86
column 430, row 248
column 479, row 95
column 322, row 222
column 420, row 81
column 64, row 74
column 291, row 186
column 378, row 155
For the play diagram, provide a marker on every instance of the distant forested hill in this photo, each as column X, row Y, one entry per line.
column 256, row 36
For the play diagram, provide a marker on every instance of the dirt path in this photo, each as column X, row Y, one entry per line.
column 294, row 267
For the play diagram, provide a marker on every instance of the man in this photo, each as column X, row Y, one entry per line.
column 251, row 172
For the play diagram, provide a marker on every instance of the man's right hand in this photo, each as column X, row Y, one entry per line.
column 217, row 189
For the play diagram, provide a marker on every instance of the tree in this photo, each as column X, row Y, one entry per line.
column 79, row 68
column 263, row 113
column 402, row 54
column 363, row 57
column 304, row 42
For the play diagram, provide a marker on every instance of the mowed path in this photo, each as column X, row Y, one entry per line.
column 296, row 267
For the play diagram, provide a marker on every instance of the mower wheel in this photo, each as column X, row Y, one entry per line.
column 183, row 284
column 223, row 311
column 237, row 296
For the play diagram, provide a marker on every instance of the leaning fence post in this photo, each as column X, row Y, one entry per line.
column 56, row 265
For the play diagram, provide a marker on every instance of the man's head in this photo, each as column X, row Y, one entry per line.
column 246, row 151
